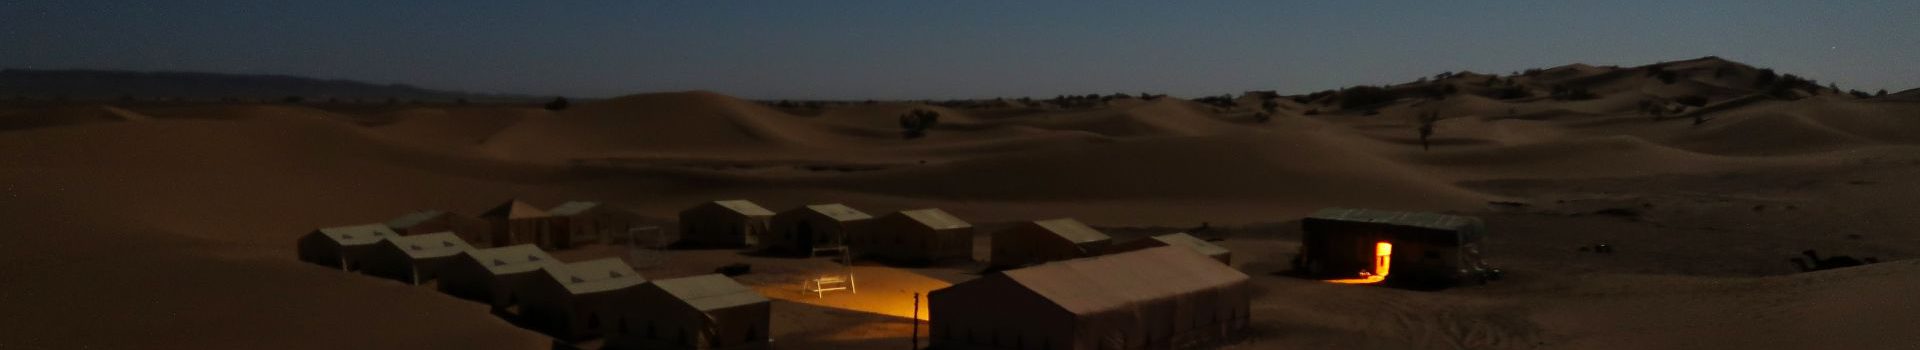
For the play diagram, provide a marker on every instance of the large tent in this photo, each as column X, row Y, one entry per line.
column 493, row 275
column 471, row 229
column 516, row 222
column 1400, row 248
column 1155, row 298
column 1180, row 239
column 728, row 223
column 344, row 247
column 1035, row 242
column 415, row 259
column 813, row 228
column 699, row 312
column 917, row 236
column 573, row 301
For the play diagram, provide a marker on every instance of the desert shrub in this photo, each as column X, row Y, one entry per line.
column 1668, row 77
column 1370, row 111
column 1691, row 100
column 915, row 123
column 1364, row 96
column 1269, row 105
column 1859, row 94
column 1312, row 111
column 1765, row 78
column 1571, row 94
column 1426, row 127
column 558, row 103
column 1882, row 93
column 1262, row 117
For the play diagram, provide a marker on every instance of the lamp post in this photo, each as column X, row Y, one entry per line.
column 916, row 321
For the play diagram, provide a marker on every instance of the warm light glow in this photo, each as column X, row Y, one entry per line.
column 1382, row 260
column 882, row 290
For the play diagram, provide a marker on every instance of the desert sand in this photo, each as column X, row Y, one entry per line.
column 173, row 225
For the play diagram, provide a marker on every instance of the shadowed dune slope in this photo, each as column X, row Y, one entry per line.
column 662, row 123
column 1293, row 167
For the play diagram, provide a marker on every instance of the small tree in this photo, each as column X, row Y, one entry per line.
column 293, row 99
column 1426, row 128
column 1882, row 93
column 915, row 123
column 558, row 103
column 1262, row 117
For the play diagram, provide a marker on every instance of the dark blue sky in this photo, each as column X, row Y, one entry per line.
column 950, row 49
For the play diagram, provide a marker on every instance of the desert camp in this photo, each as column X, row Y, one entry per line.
column 795, row 175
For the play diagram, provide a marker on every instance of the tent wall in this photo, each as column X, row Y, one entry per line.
column 789, row 226
column 711, row 225
column 996, row 313
column 1343, row 248
column 471, row 229
column 653, row 319
column 899, row 238
column 1028, row 244
column 538, row 231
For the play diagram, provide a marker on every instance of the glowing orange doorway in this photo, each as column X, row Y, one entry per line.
column 1382, row 259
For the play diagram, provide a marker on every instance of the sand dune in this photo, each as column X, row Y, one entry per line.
column 658, row 123
column 191, row 214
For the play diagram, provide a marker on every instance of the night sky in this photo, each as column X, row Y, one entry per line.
column 950, row 49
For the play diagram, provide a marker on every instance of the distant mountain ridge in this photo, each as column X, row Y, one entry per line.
column 113, row 84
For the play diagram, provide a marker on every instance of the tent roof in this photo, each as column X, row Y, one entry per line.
column 512, row 259
column 710, row 292
column 1072, row 230
column 592, row 276
column 432, row 245
column 358, row 234
column 1196, row 244
column 1422, row 220
column 744, row 207
column 935, row 218
column 837, row 211
column 414, row 218
column 515, row 209
column 573, row 208
column 1091, row 285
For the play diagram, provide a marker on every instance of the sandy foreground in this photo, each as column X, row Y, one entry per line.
column 173, row 226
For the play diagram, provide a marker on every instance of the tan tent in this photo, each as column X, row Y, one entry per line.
column 573, row 301
column 1041, row 241
column 699, row 312
column 516, row 222
column 1178, row 240
column 582, row 222
column 1423, row 249
column 917, row 236
column 415, row 259
column 345, row 247
column 728, row 223
column 1155, row 298
column 493, row 275
column 813, row 228
column 471, row 229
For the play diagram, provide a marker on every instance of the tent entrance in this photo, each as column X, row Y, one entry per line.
column 1382, row 262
